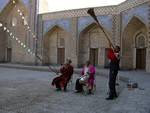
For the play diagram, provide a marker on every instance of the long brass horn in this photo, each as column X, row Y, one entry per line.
column 92, row 14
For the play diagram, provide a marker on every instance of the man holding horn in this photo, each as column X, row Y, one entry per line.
column 113, row 56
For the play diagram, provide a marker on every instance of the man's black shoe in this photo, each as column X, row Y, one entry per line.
column 109, row 98
column 115, row 96
column 65, row 90
column 117, row 84
column 78, row 91
column 58, row 89
column 89, row 93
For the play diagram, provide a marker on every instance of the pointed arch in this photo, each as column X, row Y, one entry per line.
column 55, row 45
column 131, row 18
column 53, row 28
column 134, row 26
column 92, row 45
column 90, row 26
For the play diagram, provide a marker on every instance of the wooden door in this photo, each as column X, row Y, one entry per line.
column 9, row 54
column 94, row 56
column 140, row 58
column 60, row 55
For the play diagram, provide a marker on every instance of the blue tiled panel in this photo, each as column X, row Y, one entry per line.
column 105, row 21
column 63, row 23
column 3, row 3
column 26, row 2
column 141, row 12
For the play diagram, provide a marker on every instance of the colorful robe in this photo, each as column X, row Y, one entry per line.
column 91, row 78
column 66, row 74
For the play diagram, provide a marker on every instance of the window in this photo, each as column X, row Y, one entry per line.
column 62, row 42
column 140, row 41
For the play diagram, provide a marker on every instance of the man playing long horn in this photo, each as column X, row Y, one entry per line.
column 113, row 56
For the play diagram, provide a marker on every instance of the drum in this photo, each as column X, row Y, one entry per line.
column 84, row 79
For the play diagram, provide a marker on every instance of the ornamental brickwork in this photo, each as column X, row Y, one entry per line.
column 108, row 10
column 116, row 29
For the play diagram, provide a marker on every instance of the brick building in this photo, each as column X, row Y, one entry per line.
column 10, row 17
column 74, row 34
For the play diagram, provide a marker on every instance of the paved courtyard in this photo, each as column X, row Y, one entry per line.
column 23, row 91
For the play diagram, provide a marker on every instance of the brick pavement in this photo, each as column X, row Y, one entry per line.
column 24, row 91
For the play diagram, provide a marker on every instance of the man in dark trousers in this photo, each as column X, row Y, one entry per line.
column 113, row 56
